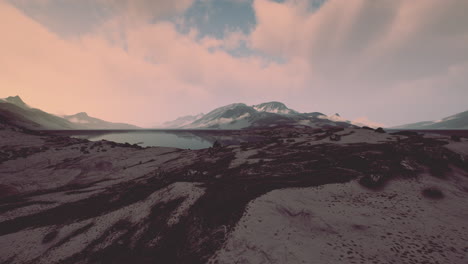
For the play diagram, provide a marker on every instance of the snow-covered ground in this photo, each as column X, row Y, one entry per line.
column 29, row 242
column 292, row 197
column 346, row 223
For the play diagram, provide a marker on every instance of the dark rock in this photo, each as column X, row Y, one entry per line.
column 372, row 181
column 406, row 133
column 432, row 193
column 335, row 137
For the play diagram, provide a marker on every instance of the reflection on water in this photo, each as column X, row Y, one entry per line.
column 176, row 139
column 153, row 139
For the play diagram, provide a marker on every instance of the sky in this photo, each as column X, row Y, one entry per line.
column 148, row 61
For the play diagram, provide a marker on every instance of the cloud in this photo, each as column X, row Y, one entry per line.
column 148, row 8
column 386, row 60
column 143, row 73
column 397, row 40
column 360, row 50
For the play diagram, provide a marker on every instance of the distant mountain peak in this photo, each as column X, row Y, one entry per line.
column 274, row 103
column 181, row 121
column 457, row 121
column 16, row 100
column 273, row 107
column 269, row 114
column 81, row 114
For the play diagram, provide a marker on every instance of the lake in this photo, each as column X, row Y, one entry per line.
column 193, row 139
column 184, row 139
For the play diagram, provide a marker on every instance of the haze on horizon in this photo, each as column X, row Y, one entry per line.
column 145, row 62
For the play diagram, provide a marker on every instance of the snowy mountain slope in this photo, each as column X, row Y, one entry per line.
column 457, row 121
column 181, row 121
column 274, row 107
column 84, row 121
column 233, row 116
column 362, row 121
column 270, row 114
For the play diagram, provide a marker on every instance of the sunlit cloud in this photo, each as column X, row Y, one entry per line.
column 134, row 64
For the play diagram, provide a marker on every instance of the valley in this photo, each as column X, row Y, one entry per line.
column 70, row 200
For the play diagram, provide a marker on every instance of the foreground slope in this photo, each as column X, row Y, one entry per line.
column 295, row 197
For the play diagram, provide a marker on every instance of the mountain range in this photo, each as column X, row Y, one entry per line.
column 275, row 114
column 457, row 121
column 15, row 111
column 85, row 121
column 234, row 116
column 181, row 121
column 269, row 114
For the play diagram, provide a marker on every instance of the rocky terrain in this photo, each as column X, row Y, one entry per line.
column 300, row 195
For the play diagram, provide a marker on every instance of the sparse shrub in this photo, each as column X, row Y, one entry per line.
column 380, row 130
column 432, row 193
column 372, row 181
column 455, row 138
column 368, row 128
column 217, row 145
column 335, row 137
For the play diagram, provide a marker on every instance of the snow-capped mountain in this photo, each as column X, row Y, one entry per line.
column 336, row 118
column 271, row 114
column 457, row 121
column 274, row 107
column 15, row 111
column 181, row 121
column 233, row 116
column 362, row 121
column 84, row 121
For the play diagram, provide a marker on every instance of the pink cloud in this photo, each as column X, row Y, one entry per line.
column 348, row 56
column 160, row 75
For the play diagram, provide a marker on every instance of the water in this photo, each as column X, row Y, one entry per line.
column 443, row 132
column 150, row 138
